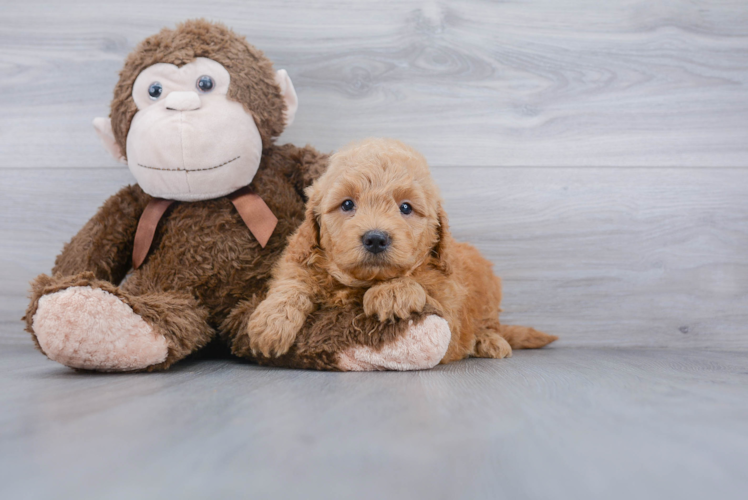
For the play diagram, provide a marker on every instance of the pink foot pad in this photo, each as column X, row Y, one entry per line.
column 88, row 328
column 421, row 348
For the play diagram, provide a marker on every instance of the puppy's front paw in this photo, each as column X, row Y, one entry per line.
column 272, row 330
column 396, row 298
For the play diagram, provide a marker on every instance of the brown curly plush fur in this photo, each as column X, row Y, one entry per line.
column 203, row 260
column 326, row 265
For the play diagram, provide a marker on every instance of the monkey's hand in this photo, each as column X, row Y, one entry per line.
column 394, row 298
column 275, row 323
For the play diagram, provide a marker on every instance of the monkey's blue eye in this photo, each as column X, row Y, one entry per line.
column 205, row 83
column 405, row 208
column 155, row 90
column 348, row 205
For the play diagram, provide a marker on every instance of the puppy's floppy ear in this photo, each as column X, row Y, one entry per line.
column 306, row 239
column 442, row 249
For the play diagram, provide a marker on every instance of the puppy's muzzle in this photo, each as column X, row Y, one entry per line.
column 376, row 241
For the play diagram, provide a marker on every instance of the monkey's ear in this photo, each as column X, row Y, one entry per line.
column 289, row 95
column 103, row 128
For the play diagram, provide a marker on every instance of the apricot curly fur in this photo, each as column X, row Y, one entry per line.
column 327, row 268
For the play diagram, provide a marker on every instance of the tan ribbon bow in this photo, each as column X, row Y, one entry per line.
column 253, row 210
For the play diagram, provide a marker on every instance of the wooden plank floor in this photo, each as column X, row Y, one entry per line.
column 556, row 423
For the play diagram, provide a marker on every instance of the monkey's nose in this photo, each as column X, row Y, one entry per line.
column 376, row 241
column 182, row 101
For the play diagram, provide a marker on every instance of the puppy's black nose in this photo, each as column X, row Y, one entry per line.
column 376, row 241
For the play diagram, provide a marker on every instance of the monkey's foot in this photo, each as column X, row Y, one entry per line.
column 88, row 328
column 421, row 348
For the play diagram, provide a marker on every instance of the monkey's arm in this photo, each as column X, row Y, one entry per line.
column 104, row 245
column 312, row 165
column 303, row 165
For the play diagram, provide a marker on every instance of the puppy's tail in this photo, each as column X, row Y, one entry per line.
column 524, row 337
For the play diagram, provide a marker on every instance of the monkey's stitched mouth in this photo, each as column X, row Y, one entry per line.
column 190, row 169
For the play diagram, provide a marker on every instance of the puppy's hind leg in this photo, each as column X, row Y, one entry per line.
column 490, row 344
column 494, row 340
column 524, row 337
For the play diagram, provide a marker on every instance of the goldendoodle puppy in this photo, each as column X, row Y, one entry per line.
column 376, row 233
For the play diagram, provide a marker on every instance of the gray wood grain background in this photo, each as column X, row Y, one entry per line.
column 470, row 83
column 533, row 115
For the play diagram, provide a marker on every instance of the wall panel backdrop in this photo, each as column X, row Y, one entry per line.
column 596, row 152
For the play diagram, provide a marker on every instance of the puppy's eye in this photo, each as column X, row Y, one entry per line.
column 405, row 208
column 155, row 90
column 204, row 83
column 347, row 205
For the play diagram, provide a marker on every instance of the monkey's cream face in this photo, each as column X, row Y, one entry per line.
column 188, row 141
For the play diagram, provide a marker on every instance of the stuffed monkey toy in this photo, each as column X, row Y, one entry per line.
column 184, row 256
